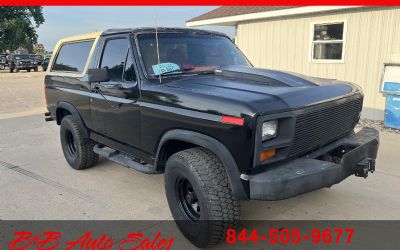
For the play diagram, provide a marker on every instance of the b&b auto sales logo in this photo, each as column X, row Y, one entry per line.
column 52, row 240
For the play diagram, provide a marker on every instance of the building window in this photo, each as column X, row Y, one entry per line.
column 328, row 42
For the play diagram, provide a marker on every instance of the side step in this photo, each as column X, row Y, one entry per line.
column 124, row 160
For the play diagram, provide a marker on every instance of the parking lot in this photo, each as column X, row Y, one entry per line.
column 37, row 183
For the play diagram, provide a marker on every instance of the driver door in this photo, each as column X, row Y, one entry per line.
column 114, row 109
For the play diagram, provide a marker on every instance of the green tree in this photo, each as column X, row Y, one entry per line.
column 18, row 27
column 39, row 49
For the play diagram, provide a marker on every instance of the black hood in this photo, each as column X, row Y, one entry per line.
column 255, row 90
column 271, row 77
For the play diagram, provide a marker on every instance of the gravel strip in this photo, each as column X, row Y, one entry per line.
column 376, row 125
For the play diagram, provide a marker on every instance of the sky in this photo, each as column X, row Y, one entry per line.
column 67, row 21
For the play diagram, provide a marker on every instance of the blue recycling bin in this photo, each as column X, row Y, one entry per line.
column 392, row 114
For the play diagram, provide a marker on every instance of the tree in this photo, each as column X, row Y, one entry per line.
column 18, row 26
column 39, row 49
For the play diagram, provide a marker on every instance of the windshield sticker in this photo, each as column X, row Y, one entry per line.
column 165, row 68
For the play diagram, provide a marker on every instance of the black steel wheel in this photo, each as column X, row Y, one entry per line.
column 200, row 196
column 78, row 150
column 188, row 199
column 71, row 143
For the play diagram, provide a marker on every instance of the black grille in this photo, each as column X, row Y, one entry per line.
column 317, row 127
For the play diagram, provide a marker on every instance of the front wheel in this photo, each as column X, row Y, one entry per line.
column 200, row 196
column 77, row 149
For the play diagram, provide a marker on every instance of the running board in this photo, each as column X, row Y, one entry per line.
column 124, row 160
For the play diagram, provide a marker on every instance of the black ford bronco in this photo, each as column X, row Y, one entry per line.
column 187, row 103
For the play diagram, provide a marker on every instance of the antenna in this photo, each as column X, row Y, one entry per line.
column 158, row 51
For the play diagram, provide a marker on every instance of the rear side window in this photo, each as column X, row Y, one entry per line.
column 73, row 56
column 114, row 57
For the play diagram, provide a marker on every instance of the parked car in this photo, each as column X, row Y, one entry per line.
column 22, row 62
column 37, row 58
column 45, row 63
column 187, row 103
column 3, row 60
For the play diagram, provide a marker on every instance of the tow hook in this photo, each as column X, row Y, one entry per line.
column 365, row 166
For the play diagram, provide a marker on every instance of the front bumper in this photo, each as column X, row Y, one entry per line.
column 23, row 67
column 309, row 173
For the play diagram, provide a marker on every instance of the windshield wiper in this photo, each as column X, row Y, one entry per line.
column 182, row 71
column 206, row 72
column 173, row 72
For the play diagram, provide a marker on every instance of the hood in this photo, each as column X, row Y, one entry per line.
column 261, row 90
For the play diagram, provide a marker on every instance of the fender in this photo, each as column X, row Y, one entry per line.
column 75, row 114
column 238, row 187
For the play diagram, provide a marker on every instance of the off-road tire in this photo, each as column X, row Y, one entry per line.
column 218, row 209
column 82, row 156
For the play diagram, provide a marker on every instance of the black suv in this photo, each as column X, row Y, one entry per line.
column 187, row 103
column 37, row 58
column 22, row 62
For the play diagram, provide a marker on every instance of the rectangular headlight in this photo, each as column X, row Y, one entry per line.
column 269, row 130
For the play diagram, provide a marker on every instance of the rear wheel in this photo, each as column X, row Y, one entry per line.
column 77, row 149
column 200, row 196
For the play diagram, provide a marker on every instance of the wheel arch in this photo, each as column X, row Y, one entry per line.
column 195, row 139
column 66, row 108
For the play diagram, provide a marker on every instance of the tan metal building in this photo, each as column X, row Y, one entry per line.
column 348, row 43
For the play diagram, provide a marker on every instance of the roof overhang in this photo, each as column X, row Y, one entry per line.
column 233, row 20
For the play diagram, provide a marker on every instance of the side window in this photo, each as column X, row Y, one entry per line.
column 72, row 57
column 114, row 56
column 129, row 72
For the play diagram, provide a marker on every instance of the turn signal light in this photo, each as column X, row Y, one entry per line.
column 265, row 155
column 232, row 120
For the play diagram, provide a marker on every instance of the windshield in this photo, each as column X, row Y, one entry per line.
column 36, row 57
column 20, row 57
column 187, row 53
